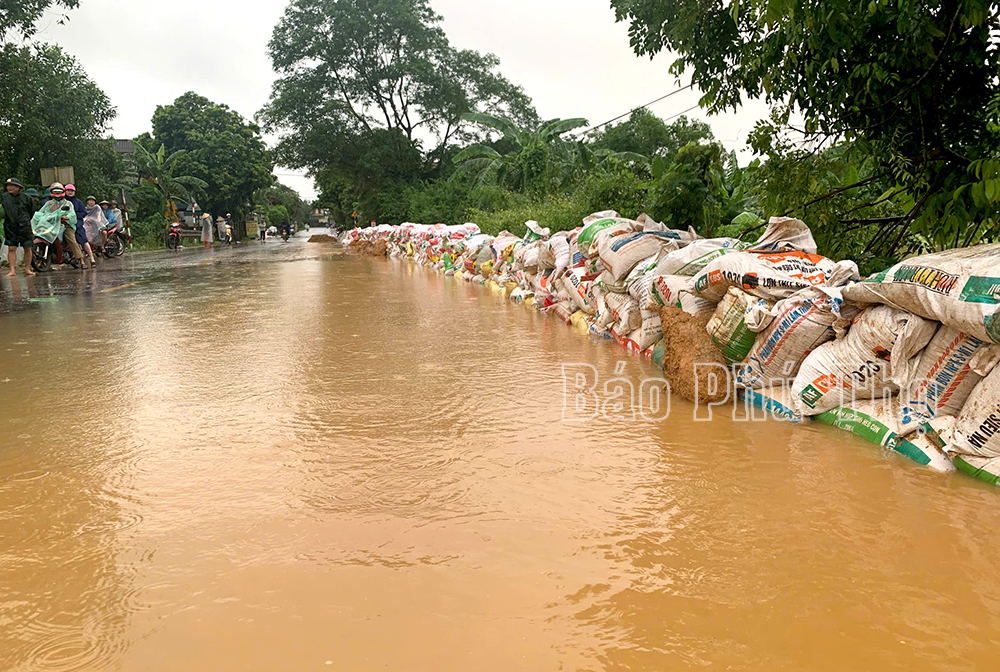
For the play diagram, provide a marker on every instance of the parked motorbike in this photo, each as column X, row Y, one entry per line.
column 174, row 236
column 117, row 242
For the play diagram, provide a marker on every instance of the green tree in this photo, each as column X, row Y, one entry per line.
column 537, row 160
column 363, row 86
column 159, row 170
column 913, row 84
column 51, row 113
column 369, row 64
column 221, row 148
column 277, row 215
column 21, row 16
column 296, row 209
column 645, row 133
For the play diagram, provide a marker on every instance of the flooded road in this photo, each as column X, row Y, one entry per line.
column 284, row 458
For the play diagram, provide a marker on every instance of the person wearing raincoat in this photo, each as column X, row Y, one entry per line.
column 94, row 223
column 110, row 218
column 206, row 230
column 57, row 217
column 81, row 212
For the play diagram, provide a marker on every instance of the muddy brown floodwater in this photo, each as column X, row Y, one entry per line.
column 301, row 463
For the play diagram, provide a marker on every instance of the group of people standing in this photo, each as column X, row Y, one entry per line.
column 81, row 226
column 225, row 225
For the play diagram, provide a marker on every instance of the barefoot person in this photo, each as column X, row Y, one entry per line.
column 17, row 211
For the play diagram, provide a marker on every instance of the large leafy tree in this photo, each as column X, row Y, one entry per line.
column 370, row 64
column 220, row 148
column 51, row 113
column 911, row 84
column 370, row 96
column 645, row 133
column 21, row 16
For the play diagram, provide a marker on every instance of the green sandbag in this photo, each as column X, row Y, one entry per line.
column 984, row 468
column 658, row 351
column 870, row 421
column 586, row 237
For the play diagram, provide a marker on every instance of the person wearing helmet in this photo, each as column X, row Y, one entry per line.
column 17, row 212
column 57, row 214
column 81, row 214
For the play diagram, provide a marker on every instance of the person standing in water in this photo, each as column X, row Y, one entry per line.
column 18, row 209
column 206, row 230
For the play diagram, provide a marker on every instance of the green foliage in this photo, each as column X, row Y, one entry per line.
column 362, row 85
column 51, row 114
column 616, row 188
column 538, row 160
column 912, row 84
column 645, row 133
column 21, row 16
column 559, row 213
column 159, row 169
column 296, row 209
column 221, row 149
column 276, row 215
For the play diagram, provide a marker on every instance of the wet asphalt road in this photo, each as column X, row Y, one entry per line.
column 134, row 269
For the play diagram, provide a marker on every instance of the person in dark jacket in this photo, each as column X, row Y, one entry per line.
column 17, row 211
column 80, row 208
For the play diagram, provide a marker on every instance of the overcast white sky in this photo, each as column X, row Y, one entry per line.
column 569, row 55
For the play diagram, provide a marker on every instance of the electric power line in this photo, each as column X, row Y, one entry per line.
column 693, row 107
column 622, row 116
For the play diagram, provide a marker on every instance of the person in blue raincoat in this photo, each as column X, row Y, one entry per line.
column 112, row 219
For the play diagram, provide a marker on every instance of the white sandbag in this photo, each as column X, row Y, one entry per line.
column 784, row 233
column 801, row 323
column 609, row 284
column 602, row 231
column 604, row 214
column 977, row 431
column 729, row 326
column 620, row 253
column 771, row 275
column 577, row 288
column 693, row 258
column 959, row 288
column 625, row 310
column 877, row 420
column 559, row 249
column 534, row 231
column 640, row 280
column 520, row 295
column 649, row 332
column 877, row 354
column 949, row 369
column 934, row 441
column 678, row 290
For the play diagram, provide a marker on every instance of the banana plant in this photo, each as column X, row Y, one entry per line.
column 538, row 156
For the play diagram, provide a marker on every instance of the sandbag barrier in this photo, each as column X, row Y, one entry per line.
column 906, row 358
